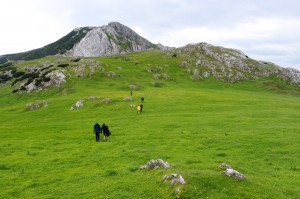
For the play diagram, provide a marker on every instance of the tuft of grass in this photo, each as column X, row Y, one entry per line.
column 4, row 167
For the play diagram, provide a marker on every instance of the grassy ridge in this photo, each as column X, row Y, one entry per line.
column 195, row 125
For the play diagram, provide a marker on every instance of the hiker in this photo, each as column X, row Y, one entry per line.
column 97, row 131
column 142, row 99
column 139, row 108
column 131, row 93
column 141, row 105
column 106, row 132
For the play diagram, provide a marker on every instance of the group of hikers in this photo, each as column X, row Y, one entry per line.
column 104, row 128
column 99, row 129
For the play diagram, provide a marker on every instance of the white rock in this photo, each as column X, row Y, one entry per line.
column 175, row 178
column 231, row 172
column 151, row 164
column 79, row 103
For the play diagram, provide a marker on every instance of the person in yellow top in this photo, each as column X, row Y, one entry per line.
column 139, row 108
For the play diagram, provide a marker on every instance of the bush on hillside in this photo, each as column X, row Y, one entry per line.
column 75, row 60
column 5, row 65
column 31, row 76
column 15, row 90
column 46, row 79
column 62, row 65
column 38, row 81
column 4, row 78
column 18, row 74
column 46, row 67
column 23, row 88
column 29, row 81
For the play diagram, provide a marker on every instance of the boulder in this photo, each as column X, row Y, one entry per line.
column 175, row 178
column 231, row 172
column 106, row 100
column 78, row 104
column 57, row 77
column 36, row 105
column 154, row 164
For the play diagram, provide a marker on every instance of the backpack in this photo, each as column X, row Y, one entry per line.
column 108, row 131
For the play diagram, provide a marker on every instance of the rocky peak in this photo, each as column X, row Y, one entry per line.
column 110, row 39
column 120, row 28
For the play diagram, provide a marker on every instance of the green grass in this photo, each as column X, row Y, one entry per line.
column 195, row 125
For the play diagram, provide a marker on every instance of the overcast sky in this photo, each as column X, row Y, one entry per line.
column 266, row 30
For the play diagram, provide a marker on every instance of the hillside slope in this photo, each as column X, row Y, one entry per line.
column 48, row 149
column 199, row 61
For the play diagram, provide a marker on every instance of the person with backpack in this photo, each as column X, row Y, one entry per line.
column 106, row 132
column 141, row 105
column 97, row 131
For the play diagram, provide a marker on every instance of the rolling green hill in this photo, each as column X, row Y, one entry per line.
column 194, row 124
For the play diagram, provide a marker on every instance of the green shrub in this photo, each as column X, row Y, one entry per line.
column 6, row 65
column 15, row 90
column 23, row 88
column 29, row 81
column 4, row 78
column 31, row 76
column 46, row 79
column 62, row 65
column 38, row 81
column 75, row 60
column 46, row 67
column 18, row 74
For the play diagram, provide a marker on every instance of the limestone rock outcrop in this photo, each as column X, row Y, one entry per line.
column 204, row 60
column 110, row 39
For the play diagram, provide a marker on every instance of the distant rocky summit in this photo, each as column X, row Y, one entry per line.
column 110, row 39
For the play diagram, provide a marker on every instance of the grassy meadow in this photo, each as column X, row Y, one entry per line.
column 51, row 152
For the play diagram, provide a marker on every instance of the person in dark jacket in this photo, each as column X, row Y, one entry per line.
column 106, row 131
column 141, row 105
column 97, row 131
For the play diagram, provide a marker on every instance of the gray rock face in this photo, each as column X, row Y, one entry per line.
column 204, row 60
column 290, row 74
column 110, row 39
